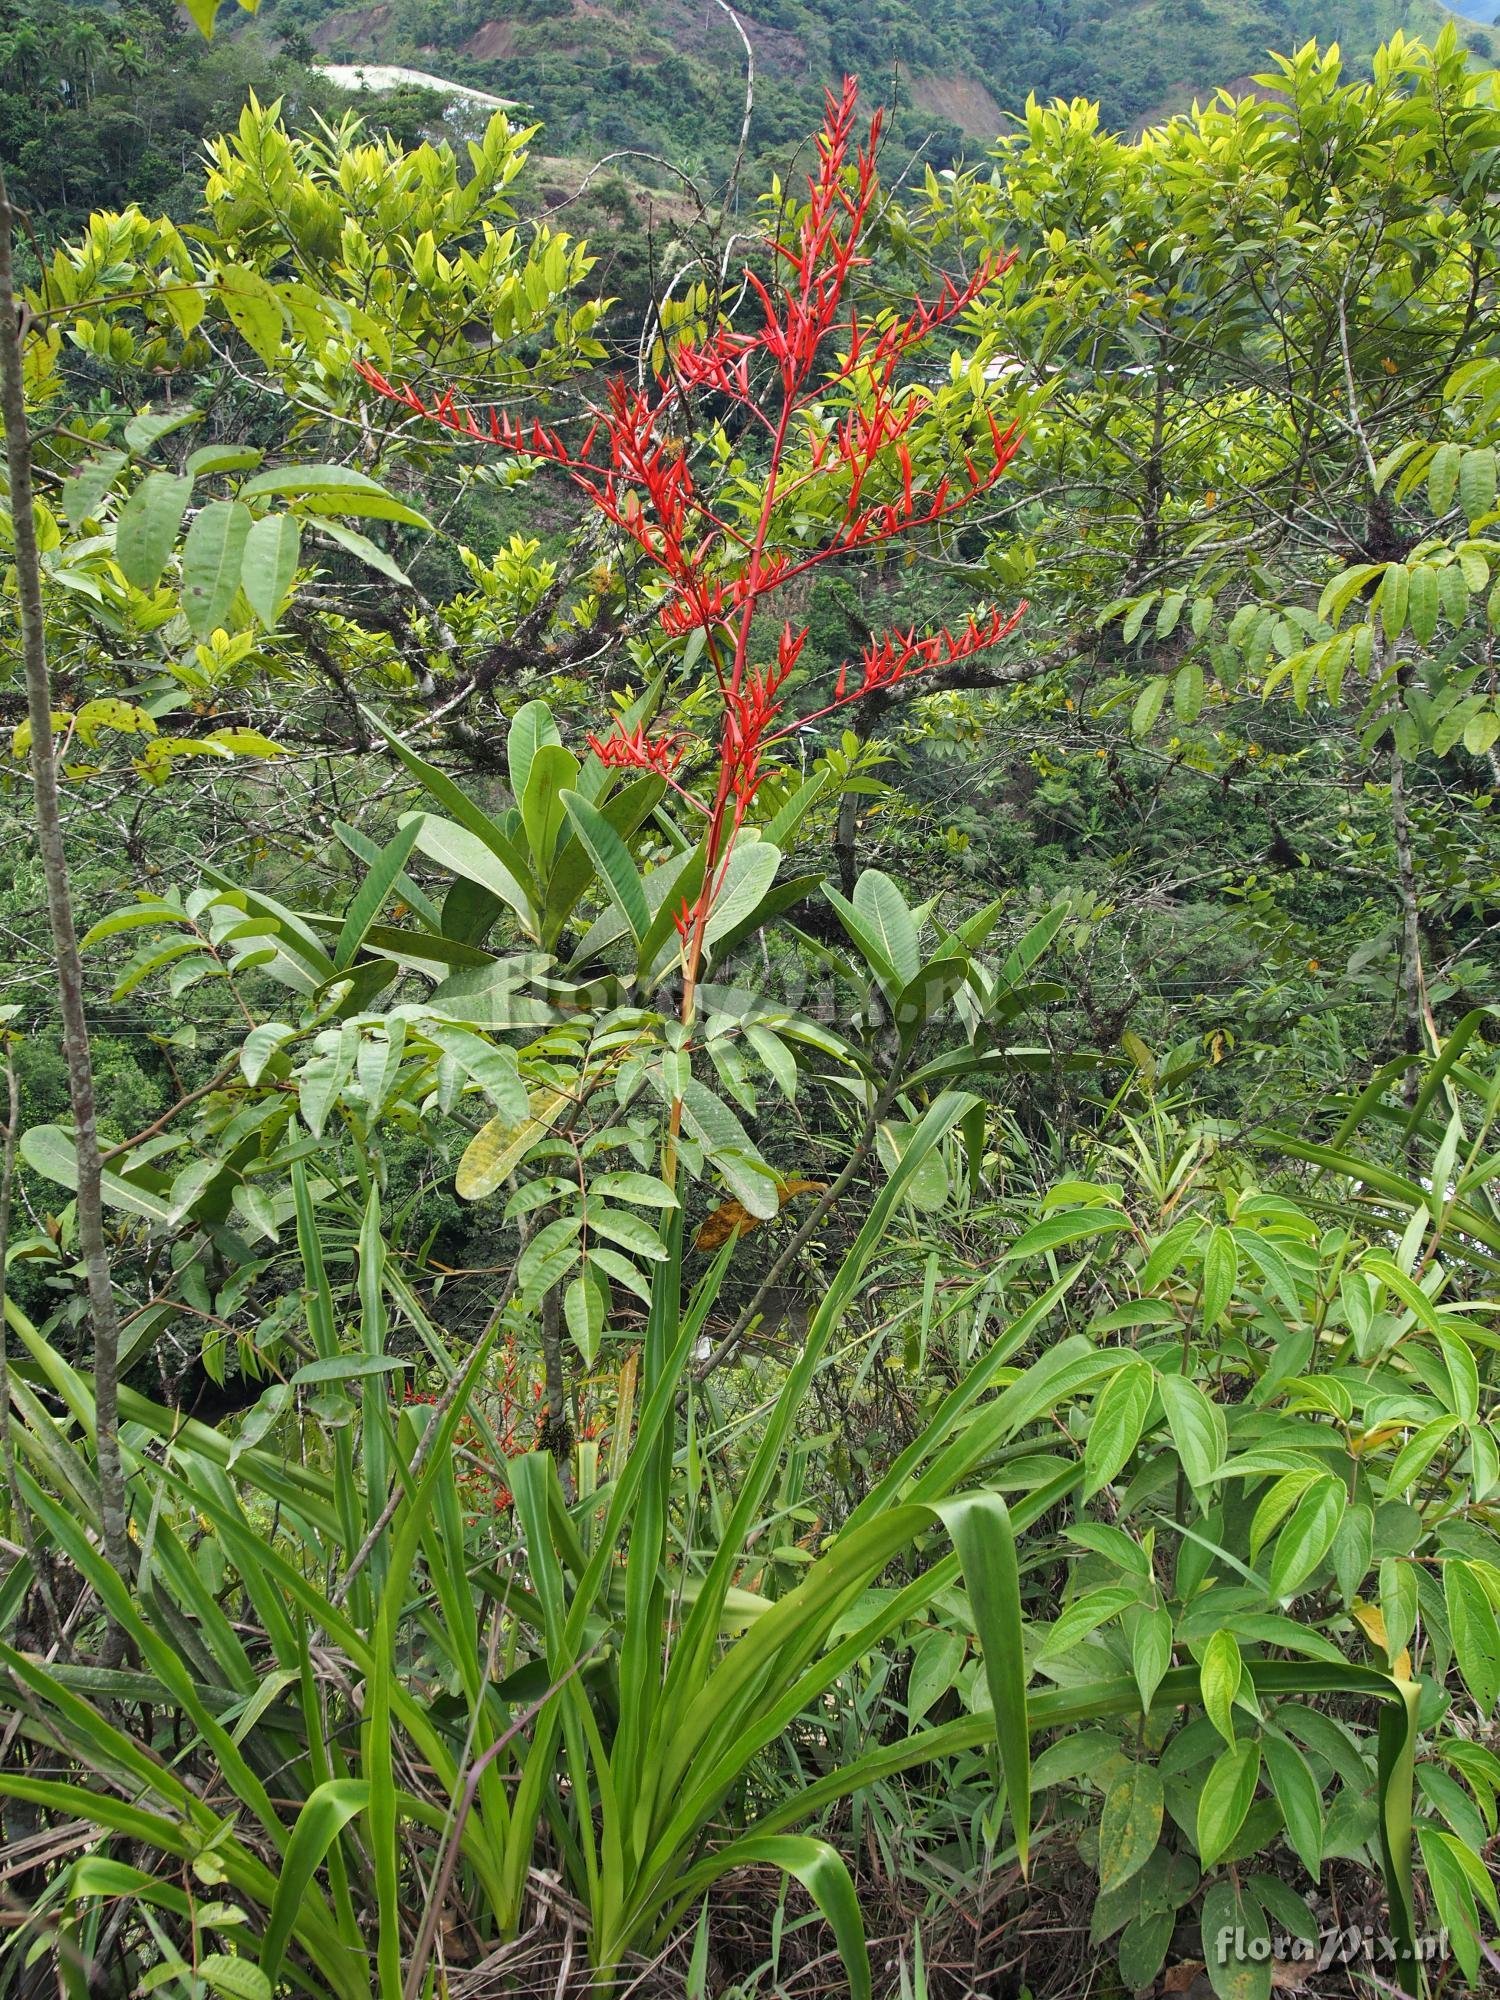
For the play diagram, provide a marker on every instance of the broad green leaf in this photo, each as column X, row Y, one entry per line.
column 1226, row 1797
column 751, row 871
column 251, row 303
column 1301, row 1803
column 1307, row 1537
column 262, row 1042
column 1130, row 1823
column 547, row 1258
column 585, row 1307
column 1118, row 1419
column 473, row 856
column 1220, row 1674
column 347, row 1368
column 1148, row 705
column 531, row 728
column 1476, row 482
column 1151, row 1650
column 709, row 1120
column 883, row 908
column 1442, row 478
column 211, row 559
column 1198, row 1428
column 236, row 1978
column 269, row 564
column 647, row 1189
column 1422, row 603
column 83, row 491
column 1236, row 1943
column 1086, row 1614
column 1476, row 1636
column 1221, row 1265
column 935, row 1661
column 49, row 1151
column 146, row 530
column 554, row 771
column 340, row 488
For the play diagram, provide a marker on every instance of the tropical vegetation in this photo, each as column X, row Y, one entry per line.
column 748, row 1219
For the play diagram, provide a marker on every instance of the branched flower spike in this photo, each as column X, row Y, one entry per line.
column 821, row 384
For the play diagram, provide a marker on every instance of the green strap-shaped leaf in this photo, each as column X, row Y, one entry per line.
column 370, row 900
column 364, row 849
column 979, row 1524
column 612, row 859
column 480, row 860
column 324, row 1815
column 554, row 771
column 821, row 1871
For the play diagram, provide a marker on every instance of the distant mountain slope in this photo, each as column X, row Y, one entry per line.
column 664, row 75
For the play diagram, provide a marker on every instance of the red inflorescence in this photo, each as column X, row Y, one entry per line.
column 633, row 749
column 633, row 463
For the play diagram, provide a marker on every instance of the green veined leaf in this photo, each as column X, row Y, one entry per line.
column 146, row 530
column 269, row 564
column 1307, row 1537
column 1476, row 482
column 531, row 729
column 547, row 1258
column 1198, row 1428
column 1476, row 1636
column 342, row 487
column 1129, row 1824
column 585, row 1308
column 1236, row 1943
column 211, row 559
column 1118, row 1420
column 1301, row 1803
column 883, row 908
column 1151, row 1650
column 1220, row 1674
column 1226, row 1797
column 251, row 303
column 935, row 1661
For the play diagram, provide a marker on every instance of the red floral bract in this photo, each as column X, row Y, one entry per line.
column 821, row 384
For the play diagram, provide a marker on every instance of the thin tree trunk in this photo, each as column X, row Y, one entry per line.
column 89, row 1206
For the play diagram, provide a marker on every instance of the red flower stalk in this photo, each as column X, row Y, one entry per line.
column 821, row 383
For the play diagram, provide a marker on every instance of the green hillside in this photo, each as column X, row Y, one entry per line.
column 664, row 76
column 105, row 103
